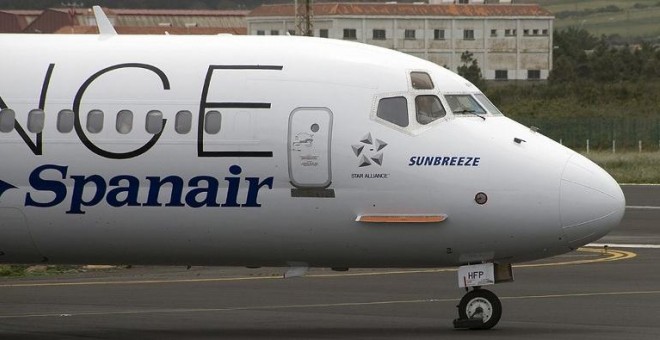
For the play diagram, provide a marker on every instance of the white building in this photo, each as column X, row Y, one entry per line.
column 508, row 41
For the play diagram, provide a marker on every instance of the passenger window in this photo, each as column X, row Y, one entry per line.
column 212, row 122
column 124, row 121
column 65, row 120
column 36, row 121
column 429, row 108
column 95, row 121
column 183, row 122
column 421, row 81
column 154, row 122
column 394, row 110
column 464, row 104
column 488, row 104
column 7, row 119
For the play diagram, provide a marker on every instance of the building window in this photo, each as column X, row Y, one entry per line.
column 501, row 74
column 183, row 122
column 463, row 1
column 493, row 33
column 545, row 32
column 379, row 35
column 261, row 32
column 36, row 121
column 535, row 32
column 350, row 33
column 274, row 32
column 7, row 119
column 124, row 123
column 439, row 34
column 323, row 33
column 468, row 34
column 95, row 121
column 409, row 34
column 65, row 120
column 394, row 110
column 525, row 32
column 534, row 74
column 292, row 32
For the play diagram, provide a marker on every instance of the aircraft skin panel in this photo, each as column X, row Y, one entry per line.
column 235, row 196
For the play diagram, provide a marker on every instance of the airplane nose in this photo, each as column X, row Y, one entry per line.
column 591, row 202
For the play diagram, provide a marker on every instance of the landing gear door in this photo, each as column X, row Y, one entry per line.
column 310, row 137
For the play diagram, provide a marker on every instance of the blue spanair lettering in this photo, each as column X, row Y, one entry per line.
column 79, row 184
column 131, row 192
column 85, row 191
column 40, row 184
column 456, row 161
column 208, row 195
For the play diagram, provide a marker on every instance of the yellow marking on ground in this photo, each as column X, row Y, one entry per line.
column 610, row 255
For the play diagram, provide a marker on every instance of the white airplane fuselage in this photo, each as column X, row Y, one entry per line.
column 285, row 179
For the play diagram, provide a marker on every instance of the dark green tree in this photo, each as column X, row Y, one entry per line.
column 471, row 71
column 563, row 70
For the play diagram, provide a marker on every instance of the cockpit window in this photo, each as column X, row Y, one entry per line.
column 428, row 109
column 488, row 104
column 394, row 110
column 464, row 104
column 421, row 81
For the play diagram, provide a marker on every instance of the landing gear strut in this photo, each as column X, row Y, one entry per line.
column 478, row 309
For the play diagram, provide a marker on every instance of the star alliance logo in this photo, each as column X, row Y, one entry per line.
column 368, row 151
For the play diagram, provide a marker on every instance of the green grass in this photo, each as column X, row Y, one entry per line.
column 630, row 22
column 14, row 270
column 629, row 167
column 577, row 5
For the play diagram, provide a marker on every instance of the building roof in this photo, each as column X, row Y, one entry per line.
column 179, row 12
column 156, row 12
column 392, row 9
column 155, row 30
column 206, row 21
column 22, row 12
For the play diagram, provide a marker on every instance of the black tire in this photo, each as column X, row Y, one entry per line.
column 484, row 302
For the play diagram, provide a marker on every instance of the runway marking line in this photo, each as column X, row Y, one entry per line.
column 319, row 305
column 610, row 255
column 642, row 207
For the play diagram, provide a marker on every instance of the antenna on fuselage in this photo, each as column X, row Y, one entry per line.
column 103, row 23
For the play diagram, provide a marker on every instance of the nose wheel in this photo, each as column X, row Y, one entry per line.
column 478, row 309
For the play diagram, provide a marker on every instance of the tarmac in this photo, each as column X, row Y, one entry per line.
column 594, row 293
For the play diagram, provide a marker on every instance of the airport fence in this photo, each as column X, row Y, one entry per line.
column 601, row 134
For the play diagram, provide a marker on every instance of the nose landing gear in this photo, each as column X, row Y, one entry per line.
column 478, row 309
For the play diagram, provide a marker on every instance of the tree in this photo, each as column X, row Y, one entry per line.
column 471, row 71
column 563, row 70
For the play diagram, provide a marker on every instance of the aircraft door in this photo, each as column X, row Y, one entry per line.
column 16, row 244
column 310, row 137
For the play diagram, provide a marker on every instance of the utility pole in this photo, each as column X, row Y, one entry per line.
column 304, row 14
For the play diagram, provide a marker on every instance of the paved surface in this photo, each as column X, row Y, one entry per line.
column 583, row 295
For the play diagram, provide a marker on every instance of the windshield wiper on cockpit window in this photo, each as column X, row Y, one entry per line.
column 470, row 112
